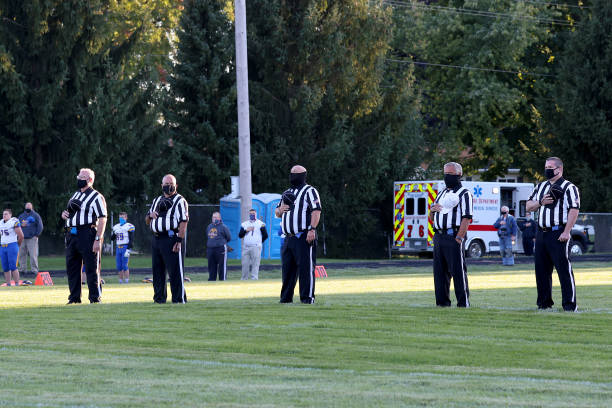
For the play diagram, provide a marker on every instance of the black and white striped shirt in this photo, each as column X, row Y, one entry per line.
column 556, row 213
column 93, row 206
column 298, row 219
column 452, row 219
column 179, row 212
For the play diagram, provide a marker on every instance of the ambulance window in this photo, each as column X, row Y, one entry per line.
column 410, row 206
column 422, row 206
column 522, row 208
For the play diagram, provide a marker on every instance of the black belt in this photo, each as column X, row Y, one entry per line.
column 449, row 231
column 553, row 228
column 163, row 233
column 82, row 227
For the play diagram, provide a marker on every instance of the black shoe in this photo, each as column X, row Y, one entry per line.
column 71, row 302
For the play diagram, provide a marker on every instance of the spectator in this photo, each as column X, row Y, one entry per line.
column 506, row 230
column 253, row 233
column 32, row 227
column 216, row 248
column 528, row 228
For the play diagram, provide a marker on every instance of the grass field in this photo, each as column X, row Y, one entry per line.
column 372, row 339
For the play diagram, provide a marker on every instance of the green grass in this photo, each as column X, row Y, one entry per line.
column 50, row 263
column 372, row 339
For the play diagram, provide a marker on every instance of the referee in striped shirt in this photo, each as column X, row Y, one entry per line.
column 452, row 214
column 300, row 212
column 167, row 218
column 558, row 202
column 85, row 218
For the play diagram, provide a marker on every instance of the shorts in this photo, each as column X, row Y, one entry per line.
column 8, row 255
column 121, row 260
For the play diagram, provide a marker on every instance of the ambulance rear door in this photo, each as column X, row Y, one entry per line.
column 416, row 219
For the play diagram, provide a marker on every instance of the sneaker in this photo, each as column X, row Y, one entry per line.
column 187, row 279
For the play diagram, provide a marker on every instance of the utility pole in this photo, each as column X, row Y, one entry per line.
column 242, row 85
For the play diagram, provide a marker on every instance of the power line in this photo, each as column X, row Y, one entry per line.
column 546, row 3
column 475, row 12
column 502, row 71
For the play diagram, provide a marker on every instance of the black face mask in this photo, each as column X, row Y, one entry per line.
column 169, row 189
column 549, row 173
column 28, row 210
column 452, row 180
column 81, row 183
column 504, row 213
column 297, row 179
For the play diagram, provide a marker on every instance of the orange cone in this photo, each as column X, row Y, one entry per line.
column 320, row 271
column 43, row 279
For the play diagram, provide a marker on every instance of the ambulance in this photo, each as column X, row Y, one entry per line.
column 413, row 230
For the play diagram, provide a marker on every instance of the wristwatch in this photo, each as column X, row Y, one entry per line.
column 311, row 228
column 97, row 237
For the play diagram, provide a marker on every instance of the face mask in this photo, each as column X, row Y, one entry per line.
column 27, row 210
column 528, row 216
column 169, row 189
column 452, row 180
column 216, row 222
column 504, row 212
column 297, row 179
column 549, row 173
column 122, row 221
column 81, row 183
column 252, row 217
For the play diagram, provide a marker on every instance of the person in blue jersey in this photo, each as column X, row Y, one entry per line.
column 10, row 239
column 123, row 235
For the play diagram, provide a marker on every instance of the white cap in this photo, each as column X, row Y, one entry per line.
column 448, row 202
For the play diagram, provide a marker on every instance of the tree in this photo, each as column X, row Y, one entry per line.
column 201, row 105
column 580, row 121
column 322, row 96
column 75, row 94
column 474, row 64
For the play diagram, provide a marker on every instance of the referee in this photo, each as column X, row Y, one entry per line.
column 85, row 218
column 167, row 218
column 452, row 214
column 558, row 202
column 300, row 212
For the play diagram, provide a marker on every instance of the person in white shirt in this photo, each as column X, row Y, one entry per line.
column 123, row 235
column 253, row 233
column 11, row 237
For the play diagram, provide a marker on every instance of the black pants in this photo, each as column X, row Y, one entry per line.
column 78, row 253
column 217, row 258
column 549, row 252
column 528, row 245
column 299, row 259
column 165, row 259
column 449, row 261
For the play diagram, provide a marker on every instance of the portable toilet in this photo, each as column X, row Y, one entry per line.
column 264, row 204
column 271, row 248
column 230, row 214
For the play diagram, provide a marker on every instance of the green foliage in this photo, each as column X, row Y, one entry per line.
column 322, row 96
column 487, row 117
column 75, row 94
column 580, row 121
column 201, row 105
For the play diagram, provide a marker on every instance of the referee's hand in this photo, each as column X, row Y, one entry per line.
column 176, row 247
column 547, row 199
column 436, row 208
column 283, row 208
column 65, row 214
column 153, row 215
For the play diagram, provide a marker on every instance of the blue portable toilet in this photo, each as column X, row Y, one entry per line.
column 264, row 204
column 230, row 214
column 271, row 248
